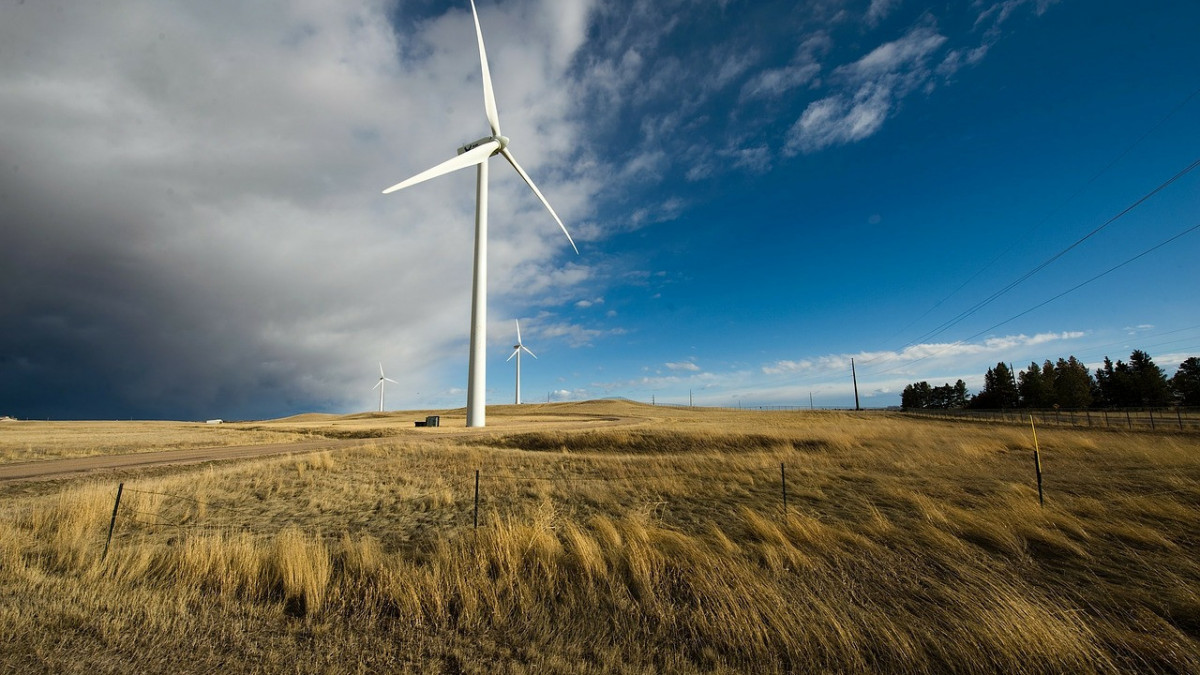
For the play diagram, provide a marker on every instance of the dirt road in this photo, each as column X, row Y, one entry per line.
column 74, row 466
column 77, row 466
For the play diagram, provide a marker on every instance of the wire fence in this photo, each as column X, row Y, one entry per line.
column 1185, row 420
column 130, row 515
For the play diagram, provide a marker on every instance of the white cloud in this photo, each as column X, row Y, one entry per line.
column 775, row 81
column 930, row 351
column 576, row 335
column 683, row 365
column 803, row 69
column 871, row 89
column 879, row 10
column 584, row 304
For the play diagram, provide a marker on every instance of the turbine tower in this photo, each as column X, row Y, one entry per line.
column 517, row 353
column 380, row 385
column 476, row 153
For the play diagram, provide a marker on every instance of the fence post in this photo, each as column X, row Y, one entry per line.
column 783, row 485
column 1128, row 419
column 1179, row 416
column 1151, row 419
column 476, row 525
column 112, row 523
column 1037, row 462
column 1105, row 411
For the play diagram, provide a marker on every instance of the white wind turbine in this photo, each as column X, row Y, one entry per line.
column 517, row 353
column 477, row 153
column 380, row 385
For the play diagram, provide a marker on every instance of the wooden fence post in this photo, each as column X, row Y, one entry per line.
column 476, row 498
column 112, row 523
column 783, row 484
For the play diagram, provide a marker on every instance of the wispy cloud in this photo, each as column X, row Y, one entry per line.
column 922, row 352
column 576, row 335
column 879, row 10
column 872, row 87
column 584, row 304
column 803, row 68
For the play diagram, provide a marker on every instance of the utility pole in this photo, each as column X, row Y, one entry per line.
column 689, row 398
column 855, row 376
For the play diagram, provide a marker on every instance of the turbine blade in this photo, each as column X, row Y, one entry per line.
column 528, row 352
column 518, row 330
column 515, row 352
column 469, row 158
column 381, row 370
column 391, row 380
column 489, row 97
column 529, row 181
column 378, row 384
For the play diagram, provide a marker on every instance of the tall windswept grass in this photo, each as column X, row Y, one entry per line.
column 906, row 547
column 298, row 566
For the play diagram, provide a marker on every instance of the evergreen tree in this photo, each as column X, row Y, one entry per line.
column 1036, row 386
column 1072, row 384
column 916, row 396
column 921, row 395
column 958, row 399
column 1113, row 385
column 1186, row 382
column 1149, row 382
column 999, row 389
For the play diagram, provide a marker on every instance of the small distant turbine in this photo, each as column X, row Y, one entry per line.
column 380, row 386
column 517, row 348
column 477, row 153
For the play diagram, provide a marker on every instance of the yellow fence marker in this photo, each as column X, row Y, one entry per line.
column 1037, row 462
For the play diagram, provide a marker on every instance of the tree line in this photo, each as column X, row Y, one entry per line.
column 1067, row 383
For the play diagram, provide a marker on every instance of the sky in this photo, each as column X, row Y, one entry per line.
column 192, row 224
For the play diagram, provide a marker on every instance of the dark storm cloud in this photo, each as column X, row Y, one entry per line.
column 190, row 213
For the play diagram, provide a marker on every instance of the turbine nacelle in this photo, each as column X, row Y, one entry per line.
column 501, row 140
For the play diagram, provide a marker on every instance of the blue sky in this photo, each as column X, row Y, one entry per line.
column 760, row 192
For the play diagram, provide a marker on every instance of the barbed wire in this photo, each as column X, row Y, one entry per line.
column 186, row 498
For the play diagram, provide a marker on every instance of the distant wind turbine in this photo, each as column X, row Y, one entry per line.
column 477, row 153
column 517, row 348
column 380, row 385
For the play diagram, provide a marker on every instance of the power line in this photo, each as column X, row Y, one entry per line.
column 1179, row 106
column 1013, row 284
column 1056, row 297
column 1085, row 283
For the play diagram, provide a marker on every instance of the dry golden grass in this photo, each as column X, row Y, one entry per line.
column 26, row 441
column 659, row 545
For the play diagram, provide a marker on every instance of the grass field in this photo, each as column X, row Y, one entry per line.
column 27, row 441
column 615, row 537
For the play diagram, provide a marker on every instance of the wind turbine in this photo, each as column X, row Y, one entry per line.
column 517, row 353
column 476, row 153
column 380, row 386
